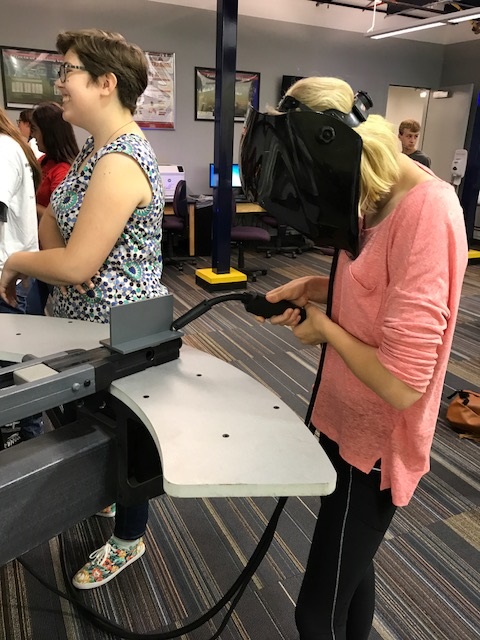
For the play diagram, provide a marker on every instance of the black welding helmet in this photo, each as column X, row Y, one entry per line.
column 303, row 167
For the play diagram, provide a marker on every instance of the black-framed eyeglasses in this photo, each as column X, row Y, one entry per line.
column 65, row 68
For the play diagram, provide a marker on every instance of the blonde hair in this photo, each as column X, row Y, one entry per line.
column 379, row 168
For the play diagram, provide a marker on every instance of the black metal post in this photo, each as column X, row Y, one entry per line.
column 471, row 182
column 227, row 16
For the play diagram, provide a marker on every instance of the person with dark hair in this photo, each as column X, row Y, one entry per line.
column 408, row 134
column 387, row 342
column 24, row 124
column 101, row 52
column 56, row 140
column 101, row 234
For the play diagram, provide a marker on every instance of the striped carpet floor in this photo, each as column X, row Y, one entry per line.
column 427, row 568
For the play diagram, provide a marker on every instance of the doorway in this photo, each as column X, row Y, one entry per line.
column 405, row 103
column 443, row 116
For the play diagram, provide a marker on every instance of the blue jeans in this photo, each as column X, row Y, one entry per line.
column 37, row 298
column 131, row 522
column 22, row 294
column 32, row 426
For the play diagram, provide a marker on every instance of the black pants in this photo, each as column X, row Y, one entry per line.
column 337, row 597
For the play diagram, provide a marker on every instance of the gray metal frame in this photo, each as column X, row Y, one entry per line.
column 48, row 484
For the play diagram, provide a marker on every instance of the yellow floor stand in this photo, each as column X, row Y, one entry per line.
column 211, row 281
column 473, row 256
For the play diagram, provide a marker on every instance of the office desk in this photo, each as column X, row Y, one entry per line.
column 168, row 211
column 241, row 207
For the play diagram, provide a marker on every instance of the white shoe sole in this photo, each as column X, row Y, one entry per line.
column 100, row 514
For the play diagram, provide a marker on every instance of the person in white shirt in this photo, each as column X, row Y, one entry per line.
column 19, row 175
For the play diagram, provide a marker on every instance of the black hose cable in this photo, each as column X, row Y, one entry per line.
column 234, row 593
column 328, row 312
column 253, row 301
column 259, row 554
column 199, row 309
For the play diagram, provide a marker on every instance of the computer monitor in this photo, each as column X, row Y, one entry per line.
column 236, row 182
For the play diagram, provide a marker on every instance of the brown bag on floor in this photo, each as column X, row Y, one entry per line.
column 463, row 413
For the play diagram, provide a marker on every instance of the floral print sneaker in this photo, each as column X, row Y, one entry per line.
column 108, row 512
column 106, row 563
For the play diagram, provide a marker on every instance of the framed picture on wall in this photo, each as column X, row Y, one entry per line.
column 28, row 76
column 287, row 82
column 156, row 106
column 247, row 91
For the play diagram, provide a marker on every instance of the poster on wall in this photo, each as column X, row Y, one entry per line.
column 247, row 91
column 28, row 77
column 156, row 106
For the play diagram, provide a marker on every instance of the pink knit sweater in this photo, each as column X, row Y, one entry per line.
column 401, row 296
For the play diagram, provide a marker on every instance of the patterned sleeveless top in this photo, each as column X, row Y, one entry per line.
column 133, row 270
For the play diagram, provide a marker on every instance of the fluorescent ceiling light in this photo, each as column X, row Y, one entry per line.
column 463, row 18
column 398, row 32
column 429, row 23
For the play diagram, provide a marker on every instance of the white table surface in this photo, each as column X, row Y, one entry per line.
column 42, row 335
column 219, row 432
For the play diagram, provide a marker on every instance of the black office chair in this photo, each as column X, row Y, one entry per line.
column 279, row 245
column 240, row 235
column 176, row 225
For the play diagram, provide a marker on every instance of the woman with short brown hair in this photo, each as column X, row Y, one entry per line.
column 101, row 234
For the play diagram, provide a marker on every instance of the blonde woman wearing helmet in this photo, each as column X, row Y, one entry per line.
column 387, row 341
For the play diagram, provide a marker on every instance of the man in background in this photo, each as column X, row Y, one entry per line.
column 408, row 133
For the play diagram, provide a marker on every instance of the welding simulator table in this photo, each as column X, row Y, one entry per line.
column 218, row 432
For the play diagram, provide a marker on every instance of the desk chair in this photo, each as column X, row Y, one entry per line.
column 241, row 234
column 279, row 246
column 176, row 225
